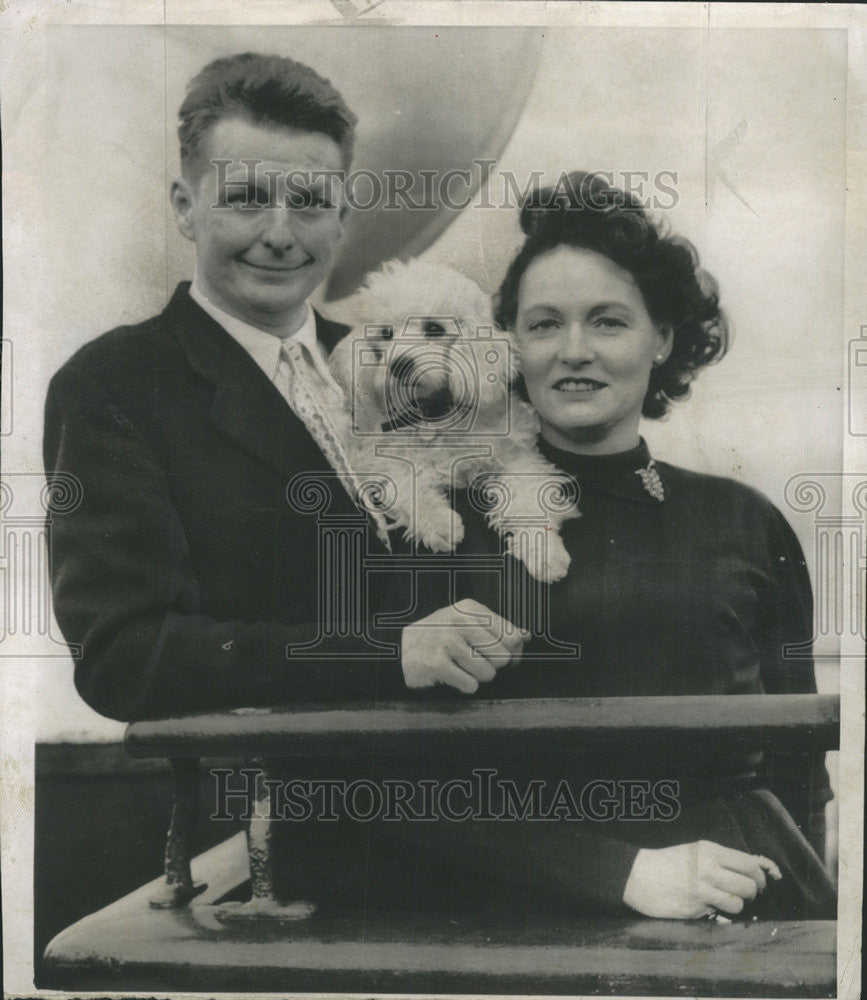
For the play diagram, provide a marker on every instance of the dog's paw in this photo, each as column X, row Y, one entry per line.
column 546, row 558
column 571, row 513
column 441, row 532
column 557, row 560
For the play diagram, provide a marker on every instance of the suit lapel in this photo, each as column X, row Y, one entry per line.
column 329, row 332
column 246, row 405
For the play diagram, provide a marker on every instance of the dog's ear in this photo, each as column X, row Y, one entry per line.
column 381, row 297
column 473, row 305
column 340, row 362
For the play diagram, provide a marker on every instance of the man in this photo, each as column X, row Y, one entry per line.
column 186, row 573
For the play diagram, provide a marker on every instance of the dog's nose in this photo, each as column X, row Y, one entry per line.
column 430, row 328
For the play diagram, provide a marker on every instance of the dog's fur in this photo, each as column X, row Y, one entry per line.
column 429, row 409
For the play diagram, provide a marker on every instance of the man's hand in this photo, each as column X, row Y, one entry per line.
column 693, row 880
column 448, row 647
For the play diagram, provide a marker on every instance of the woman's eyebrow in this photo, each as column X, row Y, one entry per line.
column 602, row 307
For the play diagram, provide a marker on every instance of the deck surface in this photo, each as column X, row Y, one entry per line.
column 129, row 946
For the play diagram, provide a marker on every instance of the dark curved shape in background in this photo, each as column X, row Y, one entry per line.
column 416, row 115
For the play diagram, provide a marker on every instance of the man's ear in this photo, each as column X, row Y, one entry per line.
column 182, row 199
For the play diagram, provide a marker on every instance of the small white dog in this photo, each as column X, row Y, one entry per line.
column 426, row 378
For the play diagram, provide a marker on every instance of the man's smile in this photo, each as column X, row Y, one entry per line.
column 277, row 268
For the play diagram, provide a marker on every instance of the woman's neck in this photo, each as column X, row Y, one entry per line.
column 591, row 440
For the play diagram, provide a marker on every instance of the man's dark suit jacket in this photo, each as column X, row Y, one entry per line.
column 184, row 573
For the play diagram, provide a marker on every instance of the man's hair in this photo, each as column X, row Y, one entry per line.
column 263, row 89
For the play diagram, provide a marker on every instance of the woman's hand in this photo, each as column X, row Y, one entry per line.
column 448, row 648
column 693, row 880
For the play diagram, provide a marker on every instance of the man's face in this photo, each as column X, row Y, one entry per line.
column 266, row 213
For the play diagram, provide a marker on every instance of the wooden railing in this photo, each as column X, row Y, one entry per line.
column 555, row 723
column 634, row 955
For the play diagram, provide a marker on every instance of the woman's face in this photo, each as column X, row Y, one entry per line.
column 588, row 346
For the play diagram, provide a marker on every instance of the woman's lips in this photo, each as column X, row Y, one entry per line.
column 577, row 385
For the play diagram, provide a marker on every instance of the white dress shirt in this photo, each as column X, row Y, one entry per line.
column 264, row 348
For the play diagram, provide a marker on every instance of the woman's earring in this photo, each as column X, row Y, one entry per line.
column 657, row 361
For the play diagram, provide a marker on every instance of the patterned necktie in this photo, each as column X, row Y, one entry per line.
column 321, row 408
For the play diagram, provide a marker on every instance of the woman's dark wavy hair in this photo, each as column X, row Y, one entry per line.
column 584, row 210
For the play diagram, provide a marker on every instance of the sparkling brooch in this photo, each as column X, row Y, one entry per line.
column 651, row 482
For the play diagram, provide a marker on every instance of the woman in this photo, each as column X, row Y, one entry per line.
column 680, row 583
